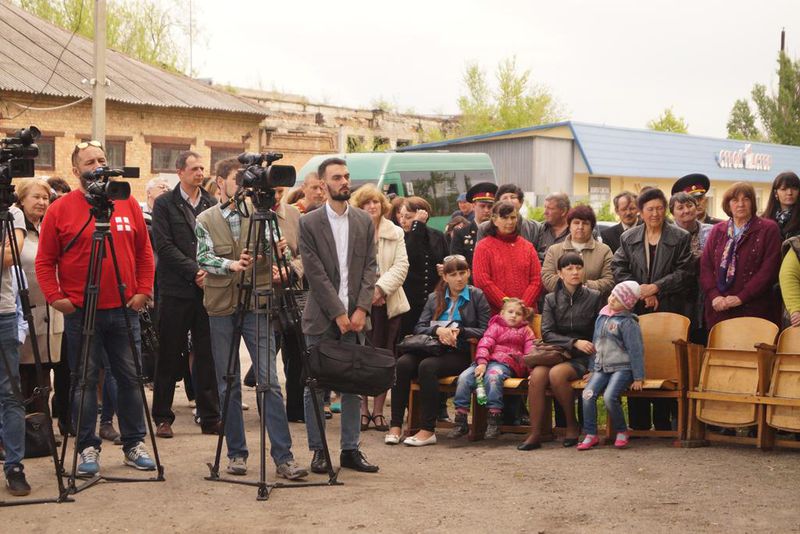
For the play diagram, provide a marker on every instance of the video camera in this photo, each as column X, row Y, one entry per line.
column 262, row 177
column 97, row 182
column 16, row 161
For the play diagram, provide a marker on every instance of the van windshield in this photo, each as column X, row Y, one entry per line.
column 441, row 188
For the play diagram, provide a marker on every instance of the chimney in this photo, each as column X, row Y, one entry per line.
column 783, row 40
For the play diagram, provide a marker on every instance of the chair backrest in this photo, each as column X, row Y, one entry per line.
column 742, row 333
column 789, row 341
column 536, row 325
column 659, row 330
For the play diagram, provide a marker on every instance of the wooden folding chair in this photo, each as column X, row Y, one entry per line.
column 665, row 359
column 511, row 386
column 782, row 401
column 734, row 373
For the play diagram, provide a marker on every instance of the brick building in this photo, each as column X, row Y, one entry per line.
column 151, row 114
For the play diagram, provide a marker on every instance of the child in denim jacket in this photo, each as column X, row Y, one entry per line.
column 617, row 364
column 499, row 356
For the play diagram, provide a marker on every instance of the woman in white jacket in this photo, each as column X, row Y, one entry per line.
column 389, row 301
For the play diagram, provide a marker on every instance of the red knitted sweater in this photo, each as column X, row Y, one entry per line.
column 505, row 267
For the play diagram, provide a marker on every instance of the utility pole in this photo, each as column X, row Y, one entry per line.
column 99, row 82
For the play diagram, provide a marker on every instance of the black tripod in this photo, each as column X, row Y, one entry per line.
column 42, row 389
column 101, row 209
column 262, row 223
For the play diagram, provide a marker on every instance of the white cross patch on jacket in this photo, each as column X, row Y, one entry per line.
column 123, row 224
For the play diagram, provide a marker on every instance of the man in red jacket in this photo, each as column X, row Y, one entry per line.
column 62, row 276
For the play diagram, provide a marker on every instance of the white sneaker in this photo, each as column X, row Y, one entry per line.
column 90, row 461
column 237, row 466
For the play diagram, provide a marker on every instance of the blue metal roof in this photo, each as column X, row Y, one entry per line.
column 617, row 151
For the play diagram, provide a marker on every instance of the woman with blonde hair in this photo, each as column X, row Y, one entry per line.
column 389, row 301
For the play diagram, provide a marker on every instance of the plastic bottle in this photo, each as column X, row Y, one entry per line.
column 480, row 392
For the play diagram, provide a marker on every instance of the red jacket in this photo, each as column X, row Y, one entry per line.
column 506, row 344
column 507, row 268
column 63, row 274
column 758, row 259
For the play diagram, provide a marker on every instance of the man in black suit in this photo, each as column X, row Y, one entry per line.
column 628, row 213
column 180, row 298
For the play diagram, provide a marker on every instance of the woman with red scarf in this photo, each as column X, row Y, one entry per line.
column 740, row 261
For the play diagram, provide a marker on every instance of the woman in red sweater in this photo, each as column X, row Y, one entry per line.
column 505, row 264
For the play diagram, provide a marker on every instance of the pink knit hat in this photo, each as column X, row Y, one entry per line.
column 627, row 293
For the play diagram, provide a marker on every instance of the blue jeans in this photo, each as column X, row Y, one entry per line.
column 613, row 384
column 111, row 334
column 222, row 329
column 109, row 392
column 493, row 379
column 351, row 404
column 12, row 413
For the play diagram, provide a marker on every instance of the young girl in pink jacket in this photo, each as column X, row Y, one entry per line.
column 499, row 356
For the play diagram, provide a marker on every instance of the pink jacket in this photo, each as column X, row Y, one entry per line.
column 504, row 344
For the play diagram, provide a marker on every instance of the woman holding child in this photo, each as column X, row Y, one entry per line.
column 454, row 313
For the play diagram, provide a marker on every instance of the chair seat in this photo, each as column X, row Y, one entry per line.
column 651, row 384
column 448, row 380
column 515, row 383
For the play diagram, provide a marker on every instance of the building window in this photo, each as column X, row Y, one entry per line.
column 47, row 154
column 379, row 144
column 115, row 153
column 163, row 157
column 355, row 143
column 599, row 192
column 403, row 142
column 218, row 154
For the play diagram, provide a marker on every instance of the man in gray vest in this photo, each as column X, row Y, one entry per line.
column 338, row 251
column 222, row 251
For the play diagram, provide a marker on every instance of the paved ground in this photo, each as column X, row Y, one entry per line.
column 453, row 486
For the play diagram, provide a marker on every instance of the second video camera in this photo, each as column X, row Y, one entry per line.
column 18, row 152
column 97, row 182
column 262, row 177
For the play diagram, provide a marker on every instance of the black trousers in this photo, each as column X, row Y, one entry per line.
column 177, row 317
column 428, row 370
column 292, row 355
column 663, row 412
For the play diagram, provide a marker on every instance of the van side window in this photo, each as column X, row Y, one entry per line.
column 441, row 188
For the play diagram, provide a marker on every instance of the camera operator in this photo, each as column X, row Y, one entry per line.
column 222, row 252
column 180, row 298
column 12, row 412
column 62, row 276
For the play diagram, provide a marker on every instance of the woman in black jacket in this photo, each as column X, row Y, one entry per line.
column 426, row 248
column 567, row 322
column 453, row 300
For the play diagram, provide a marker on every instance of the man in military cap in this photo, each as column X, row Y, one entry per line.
column 697, row 185
column 481, row 196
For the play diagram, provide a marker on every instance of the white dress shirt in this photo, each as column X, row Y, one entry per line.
column 341, row 234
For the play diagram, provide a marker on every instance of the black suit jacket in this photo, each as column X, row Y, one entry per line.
column 176, row 243
column 611, row 236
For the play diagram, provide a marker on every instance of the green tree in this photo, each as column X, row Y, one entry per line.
column 742, row 123
column 517, row 102
column 780, row 112
column 142, row 29
column 668, row 122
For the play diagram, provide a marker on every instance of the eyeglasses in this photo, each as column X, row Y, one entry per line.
column 86, row 144
column 454, row 257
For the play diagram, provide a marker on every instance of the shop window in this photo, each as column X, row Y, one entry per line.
column 163, row 157
column 599, row 192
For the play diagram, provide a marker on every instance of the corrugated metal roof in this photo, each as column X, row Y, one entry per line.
column 29, row 49
column 617, row 151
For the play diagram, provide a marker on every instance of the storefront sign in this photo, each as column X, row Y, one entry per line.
column 744, row 158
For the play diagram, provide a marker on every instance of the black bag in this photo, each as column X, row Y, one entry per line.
column 420, row 344
column 37, row 439
column 351, row 368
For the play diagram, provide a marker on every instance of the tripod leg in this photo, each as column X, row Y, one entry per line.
column 134, row 348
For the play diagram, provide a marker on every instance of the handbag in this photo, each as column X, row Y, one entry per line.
column 546, row 355
column 420, row 344
column 37, row 439
column 350, row 367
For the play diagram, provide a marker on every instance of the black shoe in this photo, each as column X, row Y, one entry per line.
column 318, row 463
column 570, row 442
column 355, row 459
column 493, row 426
column 16, row 483
column 526, row 446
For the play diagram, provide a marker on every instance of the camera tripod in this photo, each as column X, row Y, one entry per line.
column 261, row 224
column 101, row 209
column 42, row 389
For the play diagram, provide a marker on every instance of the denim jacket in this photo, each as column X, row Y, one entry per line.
column 619, row 345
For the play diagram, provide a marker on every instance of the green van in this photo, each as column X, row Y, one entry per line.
column 438, row 177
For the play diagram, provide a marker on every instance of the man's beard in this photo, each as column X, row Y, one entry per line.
column 341, row 196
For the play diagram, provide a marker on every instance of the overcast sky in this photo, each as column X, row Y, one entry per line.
column 616, row 62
